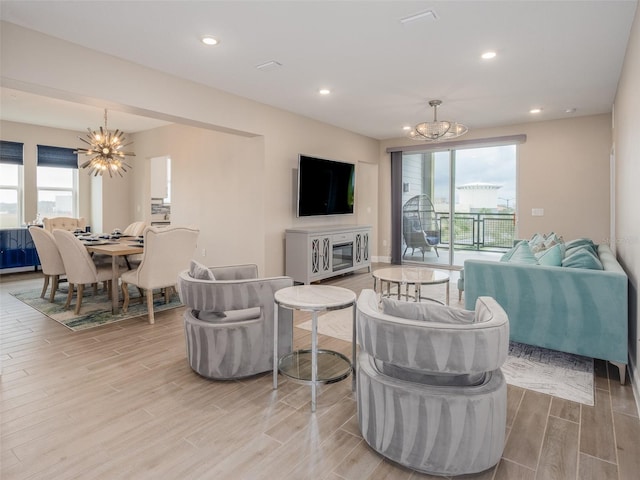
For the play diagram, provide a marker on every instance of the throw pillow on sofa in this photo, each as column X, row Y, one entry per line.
column 551, row 257
column 536, row 244
column 540, row 241
column 553, row 239
column 521, row 253
column 582, row 257
column 580, row 243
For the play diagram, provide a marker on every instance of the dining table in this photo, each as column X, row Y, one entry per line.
column 115, row 248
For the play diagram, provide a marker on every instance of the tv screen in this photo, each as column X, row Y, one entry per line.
column 325, row 187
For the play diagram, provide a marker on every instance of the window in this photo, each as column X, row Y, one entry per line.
column 11, row 184
column 57, row 182
column 471, row 187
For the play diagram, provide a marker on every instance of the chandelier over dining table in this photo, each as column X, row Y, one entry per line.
column 107, row 150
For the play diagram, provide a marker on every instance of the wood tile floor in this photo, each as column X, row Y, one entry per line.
column 120, row 402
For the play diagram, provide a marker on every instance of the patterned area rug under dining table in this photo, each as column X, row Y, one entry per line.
column 95, row 309
column 555, row 373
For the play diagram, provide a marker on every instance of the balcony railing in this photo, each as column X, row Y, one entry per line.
column 478, row 231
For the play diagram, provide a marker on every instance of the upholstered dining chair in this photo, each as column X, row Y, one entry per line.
column 167, row 251
column 50, row 259
column 79, row 266
column 228, row 323
column 430, row 392
column 135, row 229
column 64, row 223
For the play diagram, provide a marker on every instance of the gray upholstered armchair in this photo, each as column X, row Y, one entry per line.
column 229, row 320
column 431, row 395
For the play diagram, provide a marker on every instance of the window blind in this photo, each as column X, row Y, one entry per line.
column 11, row 152
column 57, row 157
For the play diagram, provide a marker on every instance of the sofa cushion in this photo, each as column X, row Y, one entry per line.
column 428, row 311
column 551, row 257
column 582, row 257
column 521, row 253
column 200, row 272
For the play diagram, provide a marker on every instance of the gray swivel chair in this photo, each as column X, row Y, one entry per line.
column 430, row 392
column 229, row 320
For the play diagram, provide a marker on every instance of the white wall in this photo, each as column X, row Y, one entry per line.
column 627, row 194
column 217, row 186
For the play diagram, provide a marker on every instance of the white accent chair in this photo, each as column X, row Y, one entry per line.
column 50, row 259
column 64, row 223
column 79, row 266
column 430, row 392
column 228, row 323
column 167, row 252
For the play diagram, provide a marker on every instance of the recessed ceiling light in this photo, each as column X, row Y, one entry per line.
column 426, row 15
column 488, row 55
column 209, row 40
column 406, row 127
column 570, row 110
column 324, row 91
column 535, row 110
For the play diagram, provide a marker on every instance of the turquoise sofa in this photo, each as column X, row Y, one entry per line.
column 572, row 310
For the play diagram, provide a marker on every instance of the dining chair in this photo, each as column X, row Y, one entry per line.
column 167, row 252
column 79, row 266
column 135, row 229
column 50, row 259
column 64, row 223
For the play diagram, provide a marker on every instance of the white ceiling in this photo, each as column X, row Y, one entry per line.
column 551, row 54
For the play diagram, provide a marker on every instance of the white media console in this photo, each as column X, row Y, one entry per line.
column 321, row 252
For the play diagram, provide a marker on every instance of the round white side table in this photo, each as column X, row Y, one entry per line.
column 302, row 365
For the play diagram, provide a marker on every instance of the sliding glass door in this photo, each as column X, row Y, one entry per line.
column 457, row 204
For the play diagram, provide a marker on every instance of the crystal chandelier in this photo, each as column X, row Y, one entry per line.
column 106, row 148
column 434, row 131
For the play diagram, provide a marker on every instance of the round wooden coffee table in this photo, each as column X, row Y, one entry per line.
column 406, row 276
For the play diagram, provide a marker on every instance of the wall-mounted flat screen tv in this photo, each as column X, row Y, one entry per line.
column 325, row 187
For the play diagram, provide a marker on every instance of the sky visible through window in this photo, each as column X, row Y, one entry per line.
column 494, row 165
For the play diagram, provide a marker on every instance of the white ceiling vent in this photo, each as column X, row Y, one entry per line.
column 427, row 15
column 270, row 65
